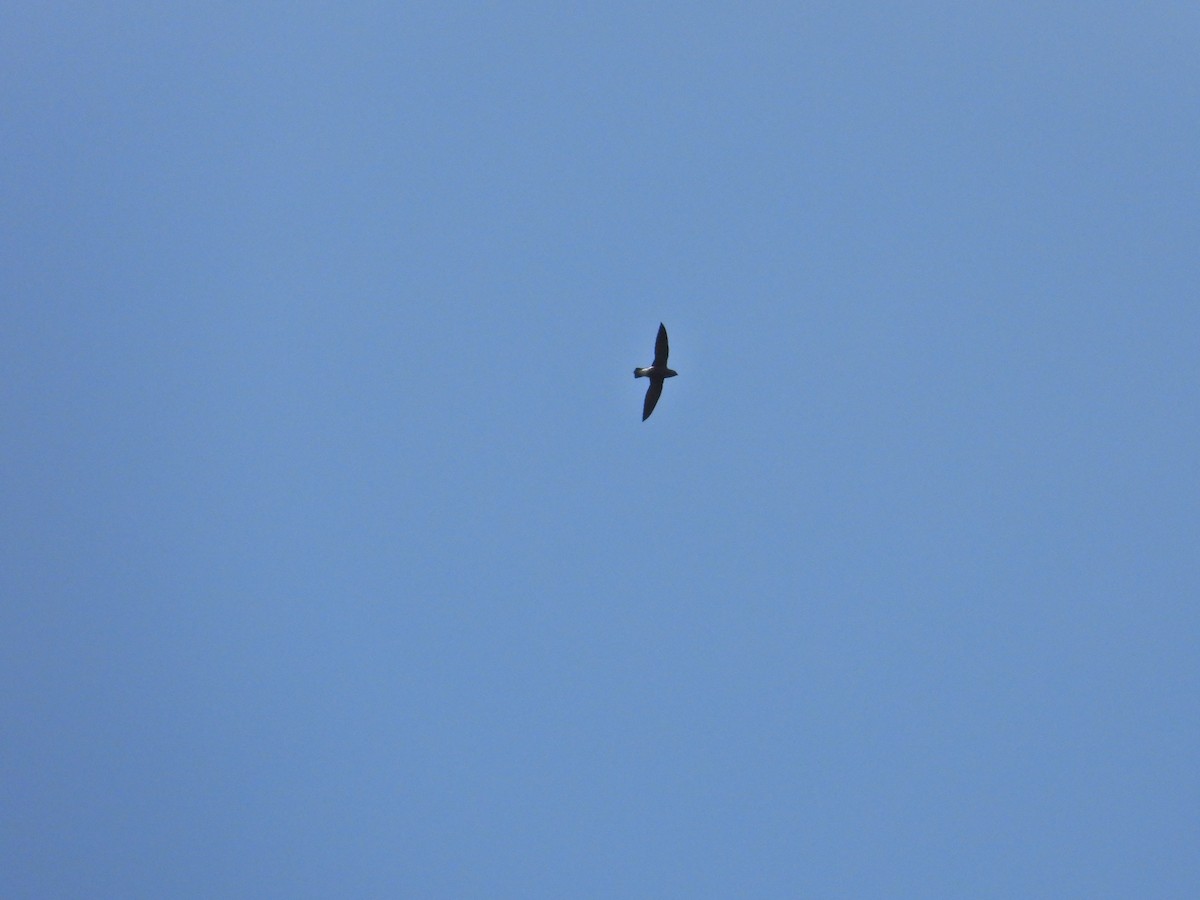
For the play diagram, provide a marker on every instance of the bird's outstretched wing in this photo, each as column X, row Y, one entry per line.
column 660, row 347
column 652, row 394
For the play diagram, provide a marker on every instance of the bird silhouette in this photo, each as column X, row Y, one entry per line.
column 657, row 372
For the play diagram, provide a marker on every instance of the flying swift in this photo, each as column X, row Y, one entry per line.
column 657, row 372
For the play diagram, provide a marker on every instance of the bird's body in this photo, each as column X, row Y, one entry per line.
column 657, row 372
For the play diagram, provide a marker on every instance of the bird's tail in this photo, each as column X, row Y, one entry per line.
column 637, row 373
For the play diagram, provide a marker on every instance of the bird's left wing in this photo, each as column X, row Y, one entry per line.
column 660, row 346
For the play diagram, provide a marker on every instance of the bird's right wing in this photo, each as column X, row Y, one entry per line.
column 652, row 394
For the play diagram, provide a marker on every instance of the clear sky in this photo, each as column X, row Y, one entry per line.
column 336, row 559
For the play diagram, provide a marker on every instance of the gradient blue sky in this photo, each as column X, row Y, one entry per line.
column 336, row 560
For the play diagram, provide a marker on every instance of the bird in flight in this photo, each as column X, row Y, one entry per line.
column 656, row 372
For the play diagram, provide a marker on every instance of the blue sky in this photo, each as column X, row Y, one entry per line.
column 336, row 560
